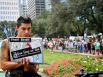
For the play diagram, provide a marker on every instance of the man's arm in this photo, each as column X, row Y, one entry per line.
column 5, row 63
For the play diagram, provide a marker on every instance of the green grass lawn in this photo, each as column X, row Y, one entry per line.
column 50, row 57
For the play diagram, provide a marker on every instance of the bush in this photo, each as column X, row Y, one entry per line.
column 63, row 68
column 91, row 63
column 68, row 68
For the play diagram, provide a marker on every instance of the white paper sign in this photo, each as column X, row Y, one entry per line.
column 29, row 48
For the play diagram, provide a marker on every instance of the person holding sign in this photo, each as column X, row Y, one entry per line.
column 21, row 68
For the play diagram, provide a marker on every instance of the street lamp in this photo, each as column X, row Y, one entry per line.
column 85, row 29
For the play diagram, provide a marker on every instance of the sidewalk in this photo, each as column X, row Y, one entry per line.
column 88, row 54
column 66, row 51
column 40, row 72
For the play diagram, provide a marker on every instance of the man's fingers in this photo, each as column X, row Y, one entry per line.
column 26, row 64
column 28, row 61
column 24, row 61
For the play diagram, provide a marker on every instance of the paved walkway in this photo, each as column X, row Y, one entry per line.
column 66, row 51
column 40, row 72
column 43, row 74
column 2, row 74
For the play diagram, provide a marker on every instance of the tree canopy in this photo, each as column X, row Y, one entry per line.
column 71, row 17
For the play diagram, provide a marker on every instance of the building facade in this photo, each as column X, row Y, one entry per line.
column 48, row 5
column 23, row 7
column 35, row 7
column 9, row 10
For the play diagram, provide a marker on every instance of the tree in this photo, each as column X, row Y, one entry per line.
column 90, row 12
column 7, row 29
column 72, row 17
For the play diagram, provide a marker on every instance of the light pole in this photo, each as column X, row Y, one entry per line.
column 85, row 30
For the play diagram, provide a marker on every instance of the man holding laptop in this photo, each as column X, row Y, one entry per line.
column 21, row 68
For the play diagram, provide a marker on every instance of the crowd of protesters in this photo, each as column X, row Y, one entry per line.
column 91, row 46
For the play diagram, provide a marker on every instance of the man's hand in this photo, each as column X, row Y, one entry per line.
column 28, row 66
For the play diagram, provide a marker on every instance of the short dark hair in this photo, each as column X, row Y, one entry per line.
column 23, row 19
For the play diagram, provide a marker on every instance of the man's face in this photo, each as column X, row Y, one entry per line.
column 24, row 30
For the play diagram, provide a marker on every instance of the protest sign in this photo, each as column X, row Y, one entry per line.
column 26, row 47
